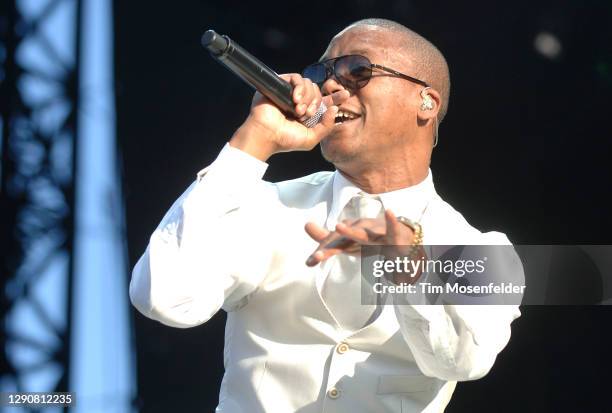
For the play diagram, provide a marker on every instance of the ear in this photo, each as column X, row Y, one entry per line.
column 429, row 105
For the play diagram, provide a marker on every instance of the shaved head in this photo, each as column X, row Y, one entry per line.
column 428, row 62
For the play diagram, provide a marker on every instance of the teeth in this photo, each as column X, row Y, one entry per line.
column 345, row 115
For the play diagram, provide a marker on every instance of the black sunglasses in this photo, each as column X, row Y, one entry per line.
column 353, row 71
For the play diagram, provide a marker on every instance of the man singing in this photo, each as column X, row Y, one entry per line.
column 280, row 257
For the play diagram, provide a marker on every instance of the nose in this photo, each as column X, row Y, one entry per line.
column 331, row 85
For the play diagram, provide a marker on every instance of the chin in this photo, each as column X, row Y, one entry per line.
column 338, row 151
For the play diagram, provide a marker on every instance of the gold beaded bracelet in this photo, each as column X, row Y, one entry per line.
column 417, row 241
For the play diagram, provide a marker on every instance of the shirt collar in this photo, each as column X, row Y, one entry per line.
column 409, row 202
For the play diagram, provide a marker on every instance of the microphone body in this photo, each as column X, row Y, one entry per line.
column 255, row 73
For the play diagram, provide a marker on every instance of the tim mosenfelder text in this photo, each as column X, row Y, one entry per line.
column 458, row 268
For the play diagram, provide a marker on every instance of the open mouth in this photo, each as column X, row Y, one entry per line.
column 344, row 116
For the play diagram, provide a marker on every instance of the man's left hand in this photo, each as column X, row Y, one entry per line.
column 350, row 235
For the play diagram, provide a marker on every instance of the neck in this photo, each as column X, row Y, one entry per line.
column 381, row 170
column 390, row 177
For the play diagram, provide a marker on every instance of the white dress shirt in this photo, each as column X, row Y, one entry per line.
column 236, row 242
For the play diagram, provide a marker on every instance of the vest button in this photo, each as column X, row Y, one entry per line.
column 342, row 348
column 333, row 393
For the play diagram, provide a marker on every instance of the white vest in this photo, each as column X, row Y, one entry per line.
column 283, row 352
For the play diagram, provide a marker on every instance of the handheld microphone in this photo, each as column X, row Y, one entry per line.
column 256, row 74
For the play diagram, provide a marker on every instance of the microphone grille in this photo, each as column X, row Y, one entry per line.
column 312, row 121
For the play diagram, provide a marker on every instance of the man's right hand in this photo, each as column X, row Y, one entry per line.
column 267, row 130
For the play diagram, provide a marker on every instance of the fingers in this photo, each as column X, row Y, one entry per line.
column 354, row 233
column 319, row 256
column 347, row 238
column 306, row 95
column 336, row 246
column 330, row 243
column 315, row 258
column 296, row 82
column 323, row 237
column 397, row 233
column 307, row 100
column 315, row 134
column 316, row 232
column 392, row 229
column 327, row 122
column 316, row 100
column 337, row 98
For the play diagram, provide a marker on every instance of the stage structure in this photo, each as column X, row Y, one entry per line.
column 62, row 237
column 38, row 106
